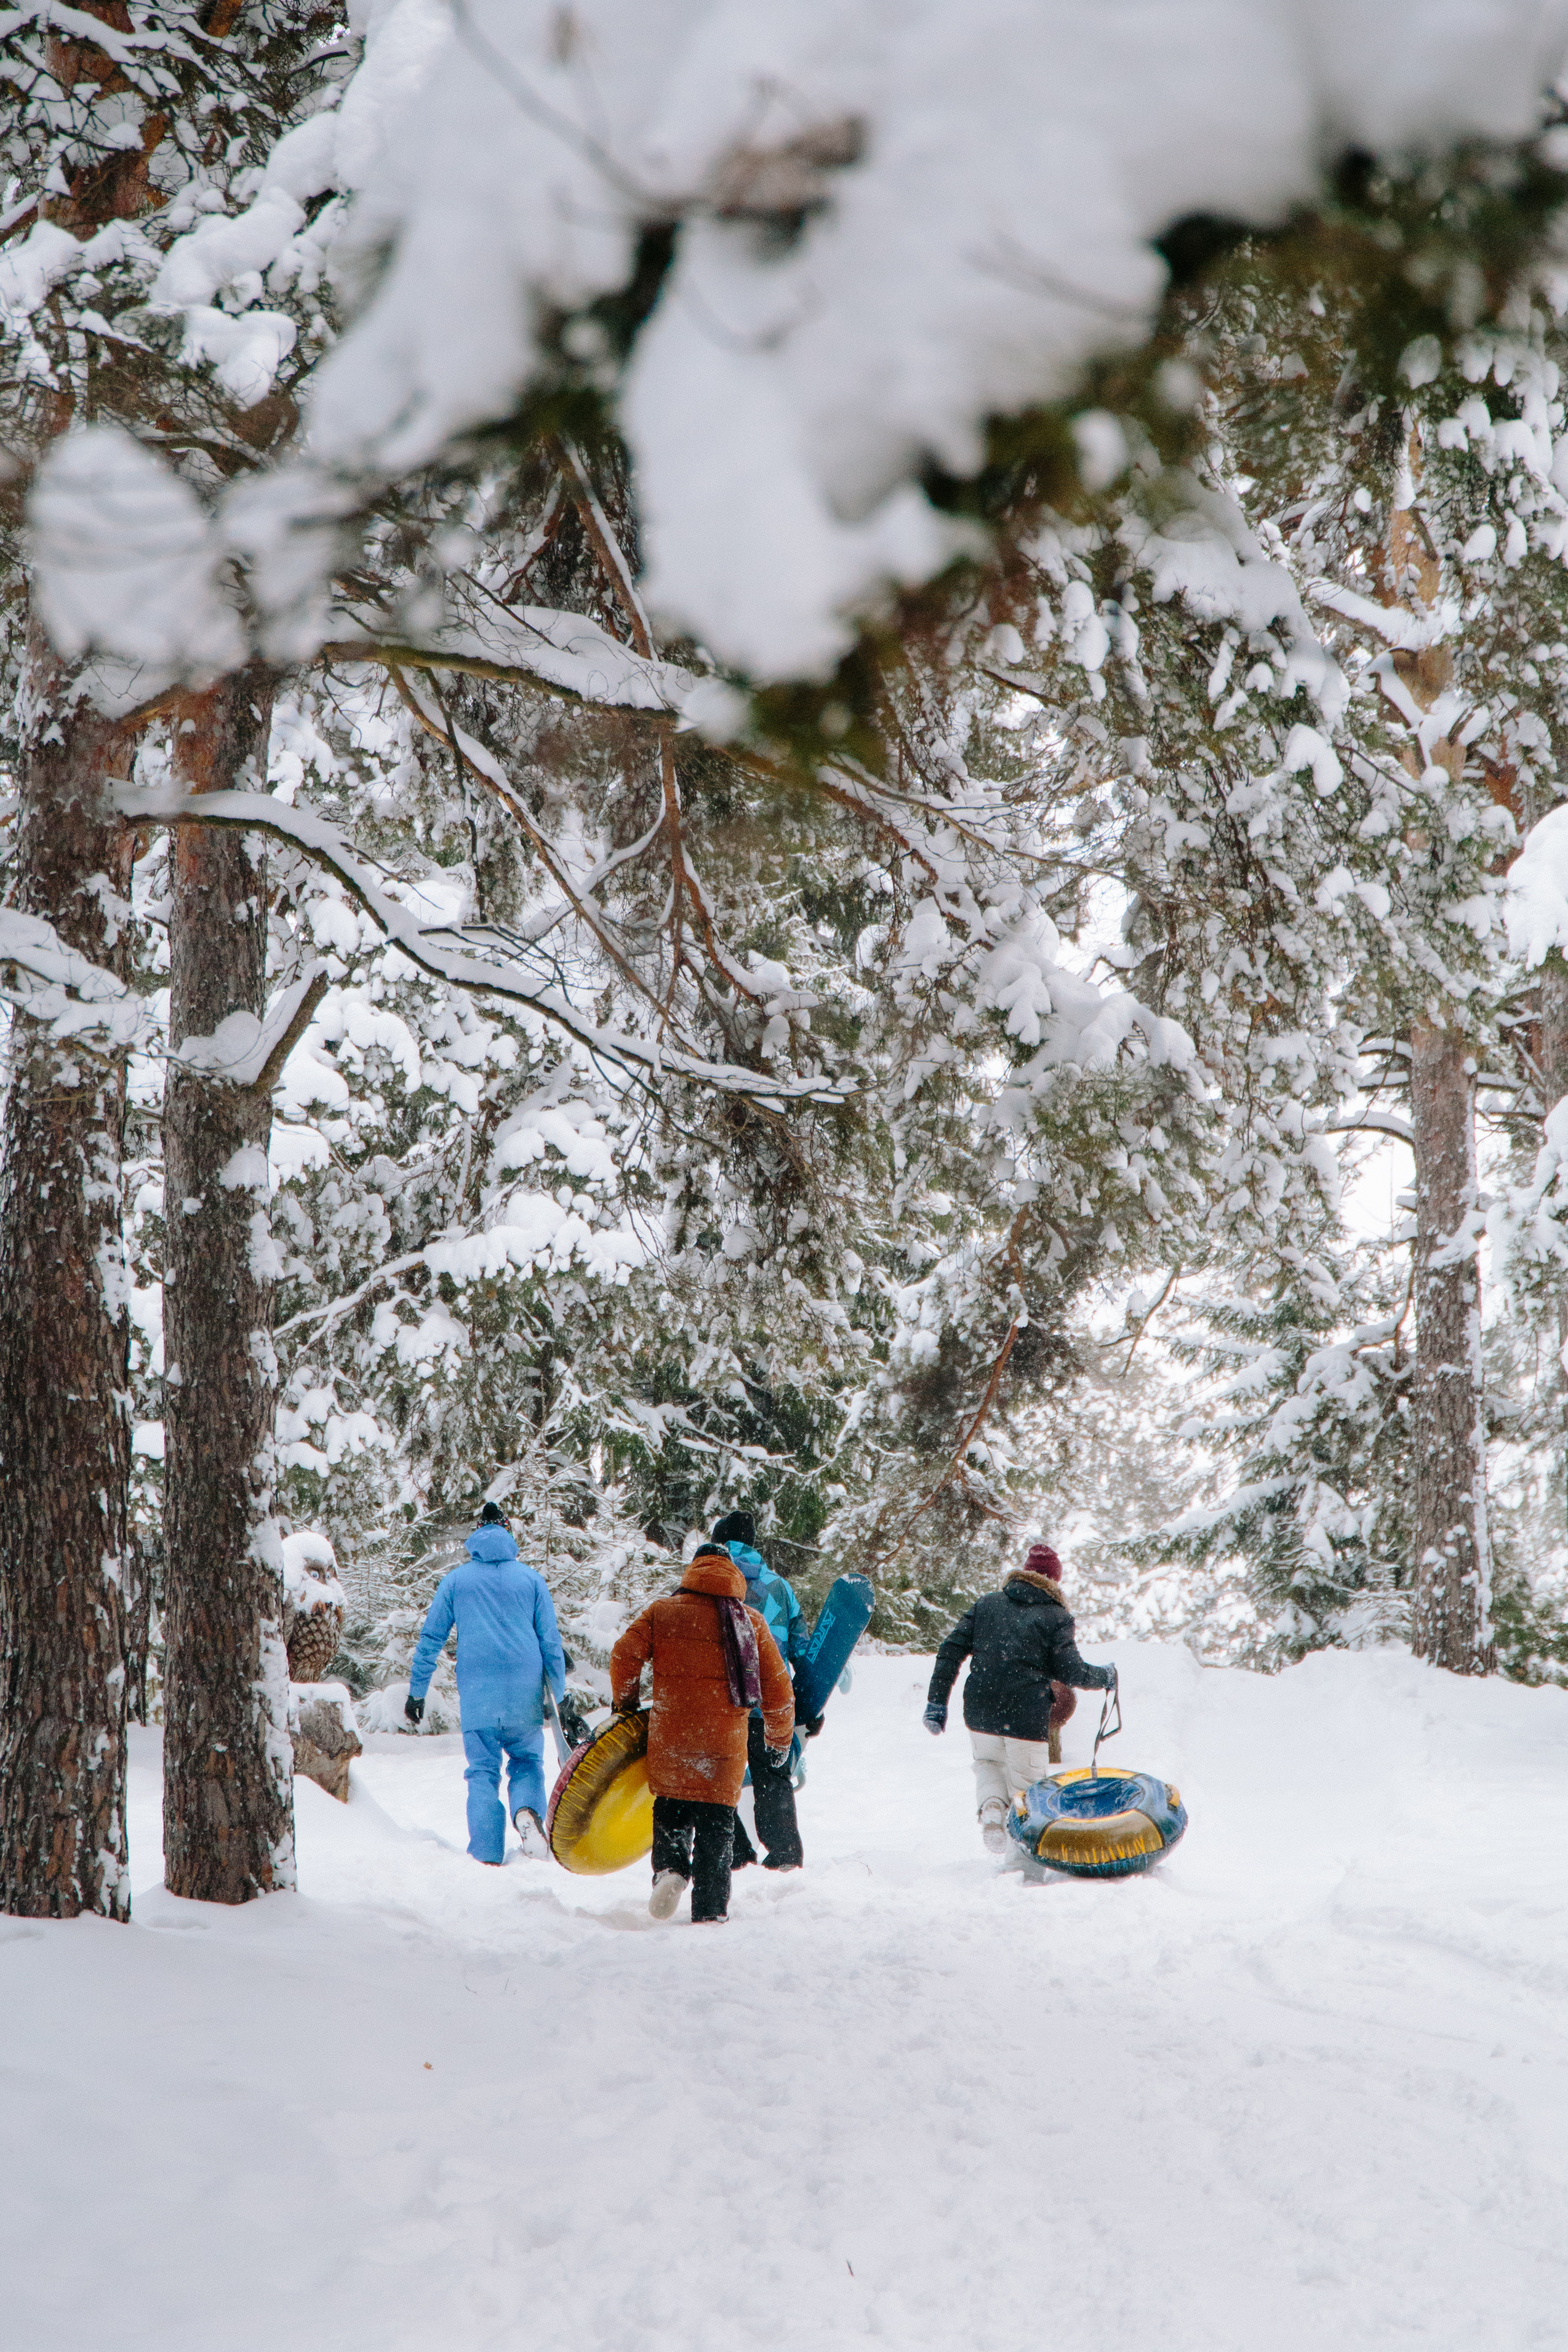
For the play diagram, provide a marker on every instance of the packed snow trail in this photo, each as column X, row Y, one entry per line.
column 1303, row 2085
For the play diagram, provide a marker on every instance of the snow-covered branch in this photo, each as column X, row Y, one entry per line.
column 426, row 945
column 53, row 983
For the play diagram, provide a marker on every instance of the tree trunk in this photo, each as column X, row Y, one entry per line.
column 1555, row 1079
column 1554, row 1030
column 229, row 1817
column 138, row 1626
column 1451, row 1618
column 65, row 1440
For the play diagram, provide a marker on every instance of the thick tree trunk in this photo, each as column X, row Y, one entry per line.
column 229, row 1817
column 1554, row 1077
column 65, row 1453
column 64, row 1334
column 1450, row 1619
column 1450, row 1622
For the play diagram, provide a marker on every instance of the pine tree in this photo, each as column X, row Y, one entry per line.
column 63, row 1329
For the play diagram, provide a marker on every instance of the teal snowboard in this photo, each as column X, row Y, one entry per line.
column 845, row 1614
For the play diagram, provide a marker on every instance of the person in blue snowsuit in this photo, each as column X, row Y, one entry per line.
column 773, row 1791
column 508, row 1645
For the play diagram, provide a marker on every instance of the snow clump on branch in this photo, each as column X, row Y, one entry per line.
column 891, row 227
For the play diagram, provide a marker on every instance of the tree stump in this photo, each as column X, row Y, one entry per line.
column 326, row 1740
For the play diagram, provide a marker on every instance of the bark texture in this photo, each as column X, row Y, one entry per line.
column 1450, row 1618
column 1554, row 1085
column 64, row 1339
column 228, row 1805
column 1451, row 1622
column 1554, row 1030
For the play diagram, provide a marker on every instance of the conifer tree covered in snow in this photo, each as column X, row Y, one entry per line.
column 1423, row 526
column 129, row 134
column 1431, row 529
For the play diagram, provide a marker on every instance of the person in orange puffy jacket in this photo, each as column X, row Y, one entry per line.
column 712, row 1659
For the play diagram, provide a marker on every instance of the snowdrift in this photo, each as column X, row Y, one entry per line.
column 1318, row 2052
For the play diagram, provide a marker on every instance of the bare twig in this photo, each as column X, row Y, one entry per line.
column 1171, row 1281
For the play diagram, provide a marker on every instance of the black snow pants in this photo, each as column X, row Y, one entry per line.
column 680, row 1824
column 774, row 1799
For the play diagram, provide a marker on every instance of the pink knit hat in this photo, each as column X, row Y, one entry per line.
column 1043, row 1562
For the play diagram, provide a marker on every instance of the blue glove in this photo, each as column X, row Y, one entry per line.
column 936, row 1720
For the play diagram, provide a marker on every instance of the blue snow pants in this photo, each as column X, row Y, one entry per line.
column 523, row 1748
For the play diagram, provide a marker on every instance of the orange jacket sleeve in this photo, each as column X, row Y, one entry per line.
column 778, row 1691
column 630, row 1655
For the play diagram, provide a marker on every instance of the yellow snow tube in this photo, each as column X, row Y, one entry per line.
column 601, row 1807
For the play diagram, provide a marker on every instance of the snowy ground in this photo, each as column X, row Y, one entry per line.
column 1303, row 2088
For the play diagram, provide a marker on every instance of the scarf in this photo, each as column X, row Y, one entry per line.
column 738, row 1640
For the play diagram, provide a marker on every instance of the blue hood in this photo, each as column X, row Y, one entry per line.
column 771, row 1593
column 491, row 1543
column 509, row 1644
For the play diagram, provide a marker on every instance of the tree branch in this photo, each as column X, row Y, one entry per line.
column 326, row 846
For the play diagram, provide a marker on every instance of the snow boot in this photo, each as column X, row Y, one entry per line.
column 531, row 1830
column 993, row 1829
column 667, row 1889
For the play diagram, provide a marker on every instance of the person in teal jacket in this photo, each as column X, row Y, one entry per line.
column 773, row 1791
column 507, row 1646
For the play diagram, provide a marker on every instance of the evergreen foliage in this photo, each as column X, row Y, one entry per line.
column 778, row 1114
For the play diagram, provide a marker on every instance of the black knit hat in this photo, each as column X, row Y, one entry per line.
column 736, row 1527
column 491, row 1515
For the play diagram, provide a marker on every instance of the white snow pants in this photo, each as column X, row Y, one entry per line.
column 1003, row 1768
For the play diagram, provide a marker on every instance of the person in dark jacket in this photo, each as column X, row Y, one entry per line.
column 773, row 1791
column 1018, row 1642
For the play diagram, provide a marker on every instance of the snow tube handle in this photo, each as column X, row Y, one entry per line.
column 563, row 1745
column 1112, row 1696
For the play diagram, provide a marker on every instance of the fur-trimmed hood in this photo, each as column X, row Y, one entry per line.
column 1042, row 1584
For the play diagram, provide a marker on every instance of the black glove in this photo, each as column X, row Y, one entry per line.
column 413, row 1709
column 630, row 1704
column 777, row 1757
column 935, row 1720
column 574, row 1723
column 810, row 1724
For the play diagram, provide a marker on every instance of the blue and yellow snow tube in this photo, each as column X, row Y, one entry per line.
column 1098, row 1825
column 601, row 1809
